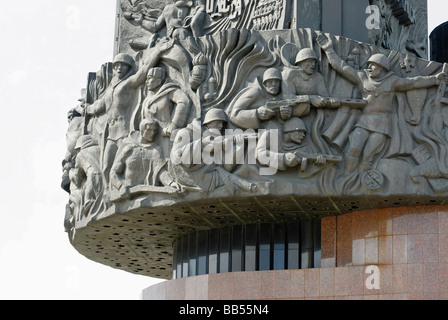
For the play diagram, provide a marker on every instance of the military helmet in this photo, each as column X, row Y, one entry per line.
column 305, row 54
column 272, row 74
column 294, row 124
column 124, row 58
column 215, row 115
column 381, row 60
column 156, row 73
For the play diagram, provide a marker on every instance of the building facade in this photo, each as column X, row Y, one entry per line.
column 265, row 149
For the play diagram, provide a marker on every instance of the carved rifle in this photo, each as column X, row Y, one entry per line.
column 329, row 103
column 304, row 160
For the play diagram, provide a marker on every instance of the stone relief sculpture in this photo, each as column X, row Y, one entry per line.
column 193, row 115
column 140, row 162
column 379, row 86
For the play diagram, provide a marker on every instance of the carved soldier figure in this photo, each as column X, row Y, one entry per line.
column 305, row 80
column 251, row 107
column 379, row 86
column 140, row 161
column 192, row 170
column 118, row 100
column 289, row 151
column 165, row 102
column 172, row 17
column 86, row 174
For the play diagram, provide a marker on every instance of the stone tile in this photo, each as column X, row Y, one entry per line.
column 430, row 277
column 371, row 251
column 443, row 222
column 267, row 285
column 415, row 223
column 400, row 250
column 226, row 285
column 214, row 288
column 312, row 282
column 341, row 281
column 202, row 287
column 282, row 284
column 430, row 222
column 326, row 282
column 400, row 222
column 254, row 280
column 443, row 296
column 176, row 289
column 443, row 248
column 191, row 288
column 385, row 250
column 155, row 292
column 414, row 248
column 415, row 278
column 400, row 278
column 430, row 295
column 443, row 278
column 385, row 222
column 386, row 279
column 328, row 242
column 364, row 224
column 430, row 248
column 297, row 284
column 344, row 241
column 358, row 252
column 415, row 295
column 356, row 280
column 371, row 297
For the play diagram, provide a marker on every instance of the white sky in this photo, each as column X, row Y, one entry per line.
column 48, row 48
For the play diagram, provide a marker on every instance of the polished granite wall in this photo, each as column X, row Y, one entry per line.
column 409, row 245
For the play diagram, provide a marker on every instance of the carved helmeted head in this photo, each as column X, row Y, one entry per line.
column 294, row 130
column 123, row 63
column 272, row 80
column 306, row 60
column 155, row 78
column 378, row 65
column 215, row 120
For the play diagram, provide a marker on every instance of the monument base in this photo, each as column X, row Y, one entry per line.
column 394, row 253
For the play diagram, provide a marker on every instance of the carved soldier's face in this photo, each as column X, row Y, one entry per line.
column 375, row 70
column 216, row 126
column 272, row 86
column 153, row 83
column 308, row 66
column 150, row 132
column 296, row 136
column 120, row 70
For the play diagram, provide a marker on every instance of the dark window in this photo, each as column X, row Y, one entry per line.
column 265, row 246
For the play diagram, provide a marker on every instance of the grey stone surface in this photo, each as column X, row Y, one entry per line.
column 195, row 131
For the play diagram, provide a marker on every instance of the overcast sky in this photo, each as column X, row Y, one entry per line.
column 48, row 48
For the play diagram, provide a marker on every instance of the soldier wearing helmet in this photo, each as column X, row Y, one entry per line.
column 117, row 103
column 249, row 108
column 379, row 86
column 199, row 153
column 288, row 151
column 304, row 79
column 123, row 64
